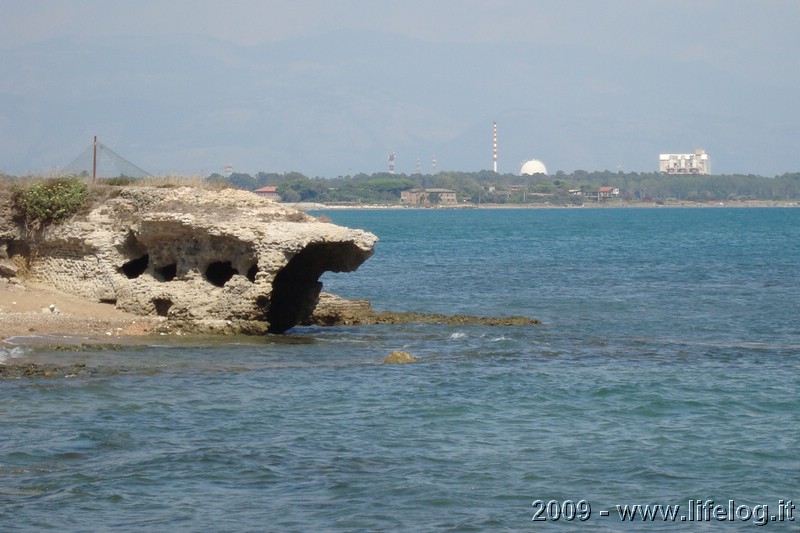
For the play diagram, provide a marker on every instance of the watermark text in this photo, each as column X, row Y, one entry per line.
column 694, row 511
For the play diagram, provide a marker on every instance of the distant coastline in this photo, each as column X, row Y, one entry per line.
column 311, row 206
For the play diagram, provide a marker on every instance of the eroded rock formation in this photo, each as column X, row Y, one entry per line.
column 190, row 254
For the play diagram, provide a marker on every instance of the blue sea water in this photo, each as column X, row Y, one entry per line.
column 665, row 372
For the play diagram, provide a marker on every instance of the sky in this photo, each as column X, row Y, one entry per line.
column 752, row 44
column 733, row 34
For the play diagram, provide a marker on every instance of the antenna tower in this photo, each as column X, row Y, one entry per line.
column 99, row 161
column 433, row 164
column 494, row 147
column 94, row 159
column 391, row 163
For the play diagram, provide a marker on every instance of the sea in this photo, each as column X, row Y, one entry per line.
column 660, row 392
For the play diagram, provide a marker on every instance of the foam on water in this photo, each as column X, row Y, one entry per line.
column 7, row 353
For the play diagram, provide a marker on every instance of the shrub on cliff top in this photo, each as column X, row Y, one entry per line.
column 49, row 202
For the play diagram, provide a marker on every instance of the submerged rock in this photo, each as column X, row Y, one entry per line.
column 32, row 370
column 399, row 358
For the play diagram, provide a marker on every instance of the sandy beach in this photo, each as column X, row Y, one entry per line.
column 42, row 311
column 609, row 204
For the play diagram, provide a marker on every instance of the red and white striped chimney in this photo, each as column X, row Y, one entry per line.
column 494, row 142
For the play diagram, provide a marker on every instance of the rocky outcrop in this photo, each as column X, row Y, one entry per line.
column 333, row 310
column 192, row 255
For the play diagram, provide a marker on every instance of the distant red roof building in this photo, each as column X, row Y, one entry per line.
column 270, row 191
column 607, row 192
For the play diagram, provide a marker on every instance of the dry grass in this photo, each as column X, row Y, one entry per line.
column 7, row 182
column 171, row 181
column 174, row 181
column 167, row 181
column 103, row 189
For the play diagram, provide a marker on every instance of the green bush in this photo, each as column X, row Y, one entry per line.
column 50, row 202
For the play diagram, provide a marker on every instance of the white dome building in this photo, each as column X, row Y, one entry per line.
column 534, row 166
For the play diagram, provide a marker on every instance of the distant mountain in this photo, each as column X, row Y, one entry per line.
column 339, row 103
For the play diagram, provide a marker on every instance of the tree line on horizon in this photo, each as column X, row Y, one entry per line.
column 490, row 187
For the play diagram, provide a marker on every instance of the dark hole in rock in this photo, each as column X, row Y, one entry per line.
column 262, row 302
column 251, row 273
column 135, row 267
column 162, row 306
column 108, row 301
column 18, row 248
column 295, row 289
column 220, row 272
column 167, row 272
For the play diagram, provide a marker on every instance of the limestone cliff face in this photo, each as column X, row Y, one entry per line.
column 193, row 254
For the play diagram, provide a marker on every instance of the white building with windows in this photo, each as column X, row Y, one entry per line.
column 696, row 163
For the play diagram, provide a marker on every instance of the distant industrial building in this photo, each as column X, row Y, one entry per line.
column 534, row 166
column 428, row 197
column 696, row 163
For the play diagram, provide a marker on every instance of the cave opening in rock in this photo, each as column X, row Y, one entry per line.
column 296, row 287
column 20, row 253
column 138, row 254
column 162, row 306
column 135, row 267
column 167, row 272
column 252, row 272
column 220, row 272
column 20, row 248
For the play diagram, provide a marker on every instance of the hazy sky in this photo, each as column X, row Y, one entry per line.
column 750, row 35
column 744, row 39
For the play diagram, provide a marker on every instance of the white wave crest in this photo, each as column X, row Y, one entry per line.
column 10, row 353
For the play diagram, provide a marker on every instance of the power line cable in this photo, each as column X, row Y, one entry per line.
column 109, row 164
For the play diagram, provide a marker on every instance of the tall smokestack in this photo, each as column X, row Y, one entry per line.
column 494, row 145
